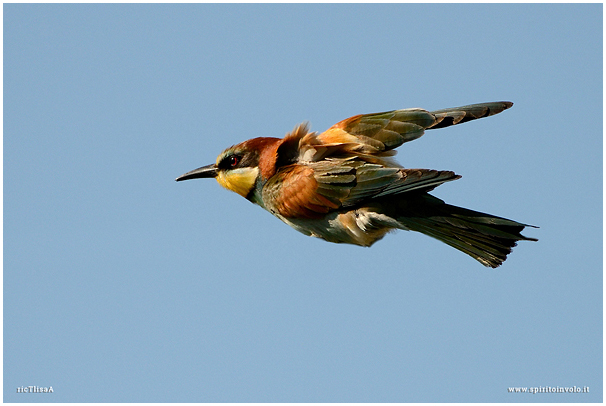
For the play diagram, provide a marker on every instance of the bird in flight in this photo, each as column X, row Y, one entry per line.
column 343, row 185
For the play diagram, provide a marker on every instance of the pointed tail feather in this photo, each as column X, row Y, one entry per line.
column 487, row 238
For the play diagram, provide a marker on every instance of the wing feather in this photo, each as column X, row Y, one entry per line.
column 316, row 188
column 377, row 134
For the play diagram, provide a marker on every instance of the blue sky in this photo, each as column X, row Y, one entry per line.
column 121, row 284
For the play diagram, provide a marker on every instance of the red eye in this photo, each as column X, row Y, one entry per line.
column 233, row 160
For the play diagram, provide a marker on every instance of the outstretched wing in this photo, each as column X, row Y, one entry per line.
column 379, row 133
column 346, row 164
column 314, row 189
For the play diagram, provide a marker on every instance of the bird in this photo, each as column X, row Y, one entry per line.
column 344, row 186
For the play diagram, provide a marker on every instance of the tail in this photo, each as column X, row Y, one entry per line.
column 488, row 239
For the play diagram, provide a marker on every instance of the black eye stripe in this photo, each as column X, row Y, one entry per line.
column 230, row 161
column 235, row 160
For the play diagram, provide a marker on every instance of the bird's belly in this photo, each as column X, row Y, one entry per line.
column 361, row 226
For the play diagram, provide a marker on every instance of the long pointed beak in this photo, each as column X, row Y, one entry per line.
column 208, row 171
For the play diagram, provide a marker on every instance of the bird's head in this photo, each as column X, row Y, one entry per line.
column 239, row 167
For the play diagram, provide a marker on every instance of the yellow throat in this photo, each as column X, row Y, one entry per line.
column 241, row 180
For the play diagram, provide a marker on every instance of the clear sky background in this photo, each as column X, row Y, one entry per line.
column 121, row 284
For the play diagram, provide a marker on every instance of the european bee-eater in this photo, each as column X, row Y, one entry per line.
column 343, row 185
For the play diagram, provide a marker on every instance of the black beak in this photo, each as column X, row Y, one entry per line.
column 208, row 171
